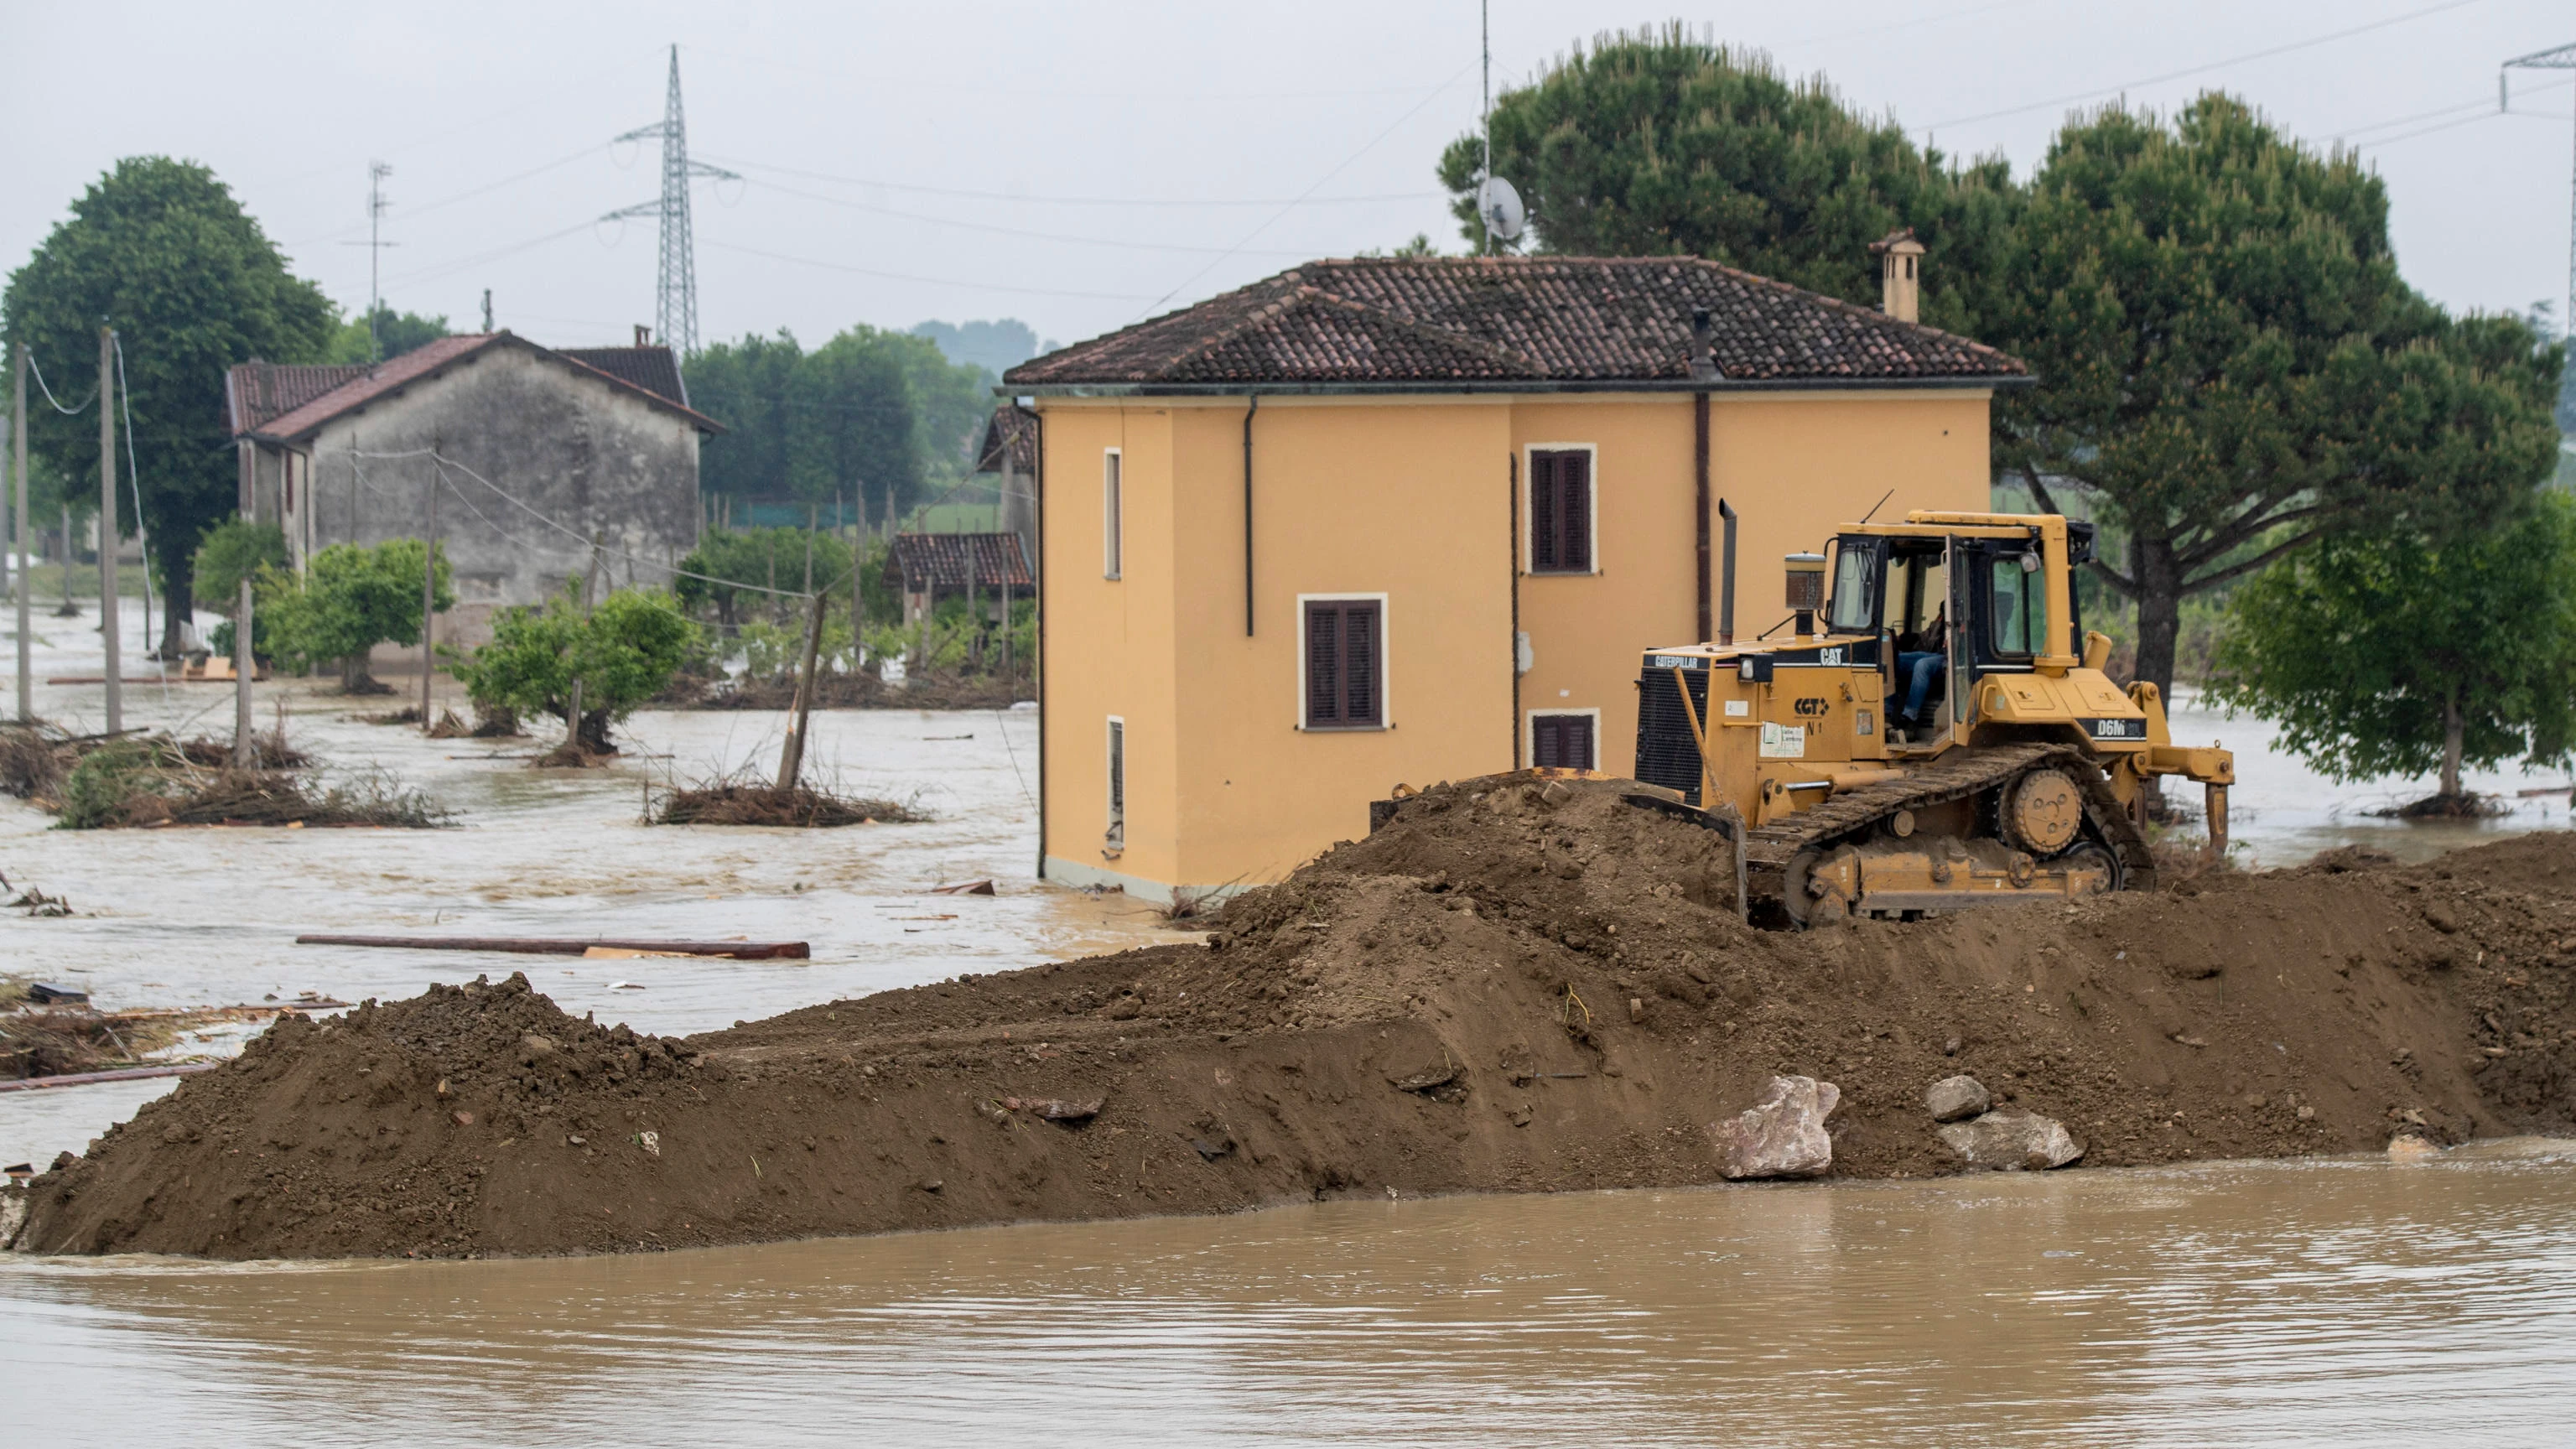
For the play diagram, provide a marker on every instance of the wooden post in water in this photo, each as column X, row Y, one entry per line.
column 26, row 581
column 107, row 611
column 589, row 580
column 428, row 597
column 791, row 755
column 245, row 749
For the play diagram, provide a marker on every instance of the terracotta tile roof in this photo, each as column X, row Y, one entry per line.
column 362, row 385
column 1514, row 321
column 943, row 559
column 258, row 391
column 1012, row 430
column 651, row 368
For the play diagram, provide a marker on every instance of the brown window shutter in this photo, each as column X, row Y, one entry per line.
column 1574, row 511
column 1562, row 742
column 1323, row 664
column 1362, row 687
column 1542, row 500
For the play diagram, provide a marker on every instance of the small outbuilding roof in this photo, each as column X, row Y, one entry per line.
column 1461, row 324
column 1009, row 435
column 925, row 562
column 287, row 402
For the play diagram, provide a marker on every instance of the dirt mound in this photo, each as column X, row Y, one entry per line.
column 738, row 802
column 1514, row 985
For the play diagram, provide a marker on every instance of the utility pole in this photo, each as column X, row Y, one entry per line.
column 2562, row 58
column 487, row 311
column 26, row 582
column 429, row 597
column 676, row 316
column 107, row 601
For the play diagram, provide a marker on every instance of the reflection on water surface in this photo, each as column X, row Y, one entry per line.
column 2345, row 1301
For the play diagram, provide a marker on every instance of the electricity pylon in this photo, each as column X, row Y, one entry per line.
column 2563, row 58
column 677, row 315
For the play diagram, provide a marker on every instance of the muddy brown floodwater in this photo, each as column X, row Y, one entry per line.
column 2349, row 1301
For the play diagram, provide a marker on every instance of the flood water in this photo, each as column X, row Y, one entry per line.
column 2351, row 1301
column 2339, row 1301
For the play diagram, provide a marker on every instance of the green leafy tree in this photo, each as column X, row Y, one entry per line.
column 744, row 386
column 950, row 402
column 350, row 599
column 1664, row 143
column 624, row 653
column 854, row 429
column 996, row 346
column 161, row 251
column 741, row 566
column 234, row 550
column 352, row 341
column 2398, row 654
column 2230, row 366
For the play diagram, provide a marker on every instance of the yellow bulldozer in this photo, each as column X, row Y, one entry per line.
column 1859, row 779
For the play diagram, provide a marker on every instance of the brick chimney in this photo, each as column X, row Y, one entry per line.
column 1900, row 269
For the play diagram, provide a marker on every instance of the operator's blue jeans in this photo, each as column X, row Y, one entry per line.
column 1920, row 669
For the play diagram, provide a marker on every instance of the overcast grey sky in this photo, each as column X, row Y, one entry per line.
column 1074, row 164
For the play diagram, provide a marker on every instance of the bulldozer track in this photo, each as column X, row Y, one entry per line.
column 1770, row 848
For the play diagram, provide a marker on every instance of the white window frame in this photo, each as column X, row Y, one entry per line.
column 1113, row 513
column 1529, row 517
column 1116, row 784
column 1385, row 664
column 1529, row 735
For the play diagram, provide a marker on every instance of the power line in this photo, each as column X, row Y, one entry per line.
column 1300, row 200
column 968, row 194
column 71, row 412
column 930, row 281
column 1121, row 243
column 2203, row 69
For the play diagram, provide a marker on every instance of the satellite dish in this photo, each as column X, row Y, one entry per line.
column 1499, row 206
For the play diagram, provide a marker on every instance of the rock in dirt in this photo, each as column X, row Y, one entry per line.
column 1953, row 1098
column 2013, row 1141
column 1783, row 1135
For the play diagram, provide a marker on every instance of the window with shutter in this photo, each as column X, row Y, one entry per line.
column 1562, row 742
column 1113, row 523
column 1345, row 664
column 1116, row 834
column 1560, row 504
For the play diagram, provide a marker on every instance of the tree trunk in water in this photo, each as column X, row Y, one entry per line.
column 2151, row 562
column 594, row 732
column 2453, row 733
column 178, row 602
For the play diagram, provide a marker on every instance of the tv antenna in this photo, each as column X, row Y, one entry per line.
column 2562, row 58
column 1498, row 205
column 677, row 286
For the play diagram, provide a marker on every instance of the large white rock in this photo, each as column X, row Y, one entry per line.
column 1952, row 1098
column 2012, row 1140
column 1783, row 1135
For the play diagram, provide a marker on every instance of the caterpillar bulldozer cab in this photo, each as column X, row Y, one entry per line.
column 1860, row 779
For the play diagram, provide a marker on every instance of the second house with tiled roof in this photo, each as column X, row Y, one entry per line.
column 1397, row 521
column 529, row 452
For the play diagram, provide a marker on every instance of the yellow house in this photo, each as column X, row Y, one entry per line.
column 1407, row 519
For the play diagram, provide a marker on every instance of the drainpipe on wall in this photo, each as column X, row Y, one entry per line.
column 1726, row 588
column 1512, row 556
column 1037, row 574
column 1703, row 367
column 1252, row 405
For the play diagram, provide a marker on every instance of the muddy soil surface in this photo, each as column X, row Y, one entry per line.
column 1512, row 987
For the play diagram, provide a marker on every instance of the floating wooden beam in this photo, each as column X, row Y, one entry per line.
column 567, row 946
